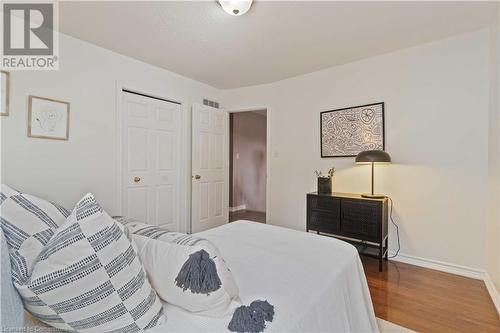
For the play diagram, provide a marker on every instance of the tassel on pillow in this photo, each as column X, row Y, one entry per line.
column 251, row 319
column 265, row 308
column 246, row 320
column 198, row 274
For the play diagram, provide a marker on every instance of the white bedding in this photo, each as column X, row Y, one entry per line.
column 315, row 283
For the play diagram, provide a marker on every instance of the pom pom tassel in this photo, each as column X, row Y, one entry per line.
column 266, row 308
column 245, row 320
column 251, row 319
column 199, row 274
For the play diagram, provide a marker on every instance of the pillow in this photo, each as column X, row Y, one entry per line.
column 28, row 223
column 150, row 231
column 162, row 234
column 88, row 277
column 160, row 248
column 6, row 192
column 219, row 303
column 192, row 275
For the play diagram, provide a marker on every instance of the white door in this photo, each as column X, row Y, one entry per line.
column 151, row 160
column 210, row 168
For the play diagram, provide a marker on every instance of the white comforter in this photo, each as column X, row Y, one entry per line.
column 315, row 283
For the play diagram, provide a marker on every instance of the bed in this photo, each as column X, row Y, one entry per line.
column 315, row 283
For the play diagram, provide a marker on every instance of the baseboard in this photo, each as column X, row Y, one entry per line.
column 453, row 269
column 256, row 211
column 494, row 294
column 440, row 266
column 237, row 208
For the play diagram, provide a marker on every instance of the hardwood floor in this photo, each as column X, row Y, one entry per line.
column 247, row 215
column 426, row 300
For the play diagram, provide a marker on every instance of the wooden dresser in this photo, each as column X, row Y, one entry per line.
column 352, row 218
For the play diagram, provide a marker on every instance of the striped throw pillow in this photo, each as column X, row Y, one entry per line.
column 151, row 231
column 28, row 223
column 148, row 230
column 88, row 277
column 6, row 192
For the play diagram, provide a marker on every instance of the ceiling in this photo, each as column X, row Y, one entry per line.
column 273, row 41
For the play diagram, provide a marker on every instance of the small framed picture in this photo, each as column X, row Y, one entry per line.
column 4, row 93
column 48, row 118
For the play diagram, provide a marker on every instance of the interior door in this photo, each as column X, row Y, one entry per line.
column 151, row 160
column 210, row 168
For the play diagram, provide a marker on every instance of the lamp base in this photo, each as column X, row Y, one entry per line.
column 373, row 196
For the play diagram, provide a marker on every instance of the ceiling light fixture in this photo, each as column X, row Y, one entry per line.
column 235, row 7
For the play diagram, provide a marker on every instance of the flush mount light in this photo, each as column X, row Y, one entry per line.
column 235, row 7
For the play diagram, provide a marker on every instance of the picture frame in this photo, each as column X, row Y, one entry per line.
column 48, row 118
column 348, row 131
column 4, row 93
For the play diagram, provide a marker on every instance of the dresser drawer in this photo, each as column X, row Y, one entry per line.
column 323, row 221
column 324, row 204
column 361, row 219
column 323, row 214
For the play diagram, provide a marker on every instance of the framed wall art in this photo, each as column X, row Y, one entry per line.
column 349, row 131
column 4, row 93
column 48, row 118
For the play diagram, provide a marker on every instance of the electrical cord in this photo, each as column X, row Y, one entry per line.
column 397, row 228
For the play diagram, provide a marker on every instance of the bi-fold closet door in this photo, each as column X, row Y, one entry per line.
column 151, row 160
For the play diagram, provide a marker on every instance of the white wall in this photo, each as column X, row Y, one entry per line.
column 493, row 217
column 437, row 109
column 437, row 112
column 64, row 170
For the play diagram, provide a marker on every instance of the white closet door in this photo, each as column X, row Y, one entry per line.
column 151, row 160
column 210, row 168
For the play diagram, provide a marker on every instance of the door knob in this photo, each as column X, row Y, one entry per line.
column 137, row 179
column 197, row 177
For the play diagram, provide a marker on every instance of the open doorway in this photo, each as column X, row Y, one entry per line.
column 247, row 165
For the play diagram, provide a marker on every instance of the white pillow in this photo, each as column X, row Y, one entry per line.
column 163, row 261
column 89, row 278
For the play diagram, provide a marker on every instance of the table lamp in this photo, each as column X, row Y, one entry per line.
column 372, row 157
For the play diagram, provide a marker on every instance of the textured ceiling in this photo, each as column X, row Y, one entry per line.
column 273, row 41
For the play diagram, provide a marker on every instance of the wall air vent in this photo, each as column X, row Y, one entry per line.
column 210, row 103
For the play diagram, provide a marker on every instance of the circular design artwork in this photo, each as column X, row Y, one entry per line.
column 347, row 132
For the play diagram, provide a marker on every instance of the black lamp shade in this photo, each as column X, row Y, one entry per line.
column 376, row 156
